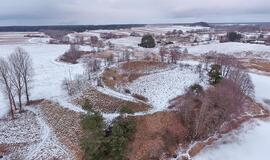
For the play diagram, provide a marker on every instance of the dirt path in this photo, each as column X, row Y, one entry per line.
column 48, row 143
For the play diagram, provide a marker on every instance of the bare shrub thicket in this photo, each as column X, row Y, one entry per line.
column 232, row 69
column 172, row 54
column 72, row 55
column 91, row 67
column 203, row 112
column 73, row 86
column 16, row 75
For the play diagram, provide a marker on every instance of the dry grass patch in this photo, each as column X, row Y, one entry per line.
column 109, row 104
column 157, row 135
column 260, row 65
column 66, row 126
column 130, row 71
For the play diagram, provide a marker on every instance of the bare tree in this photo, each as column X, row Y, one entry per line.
column 27, row 72
column 162, row 53
column 16, row 61
column 228, row 63
column 91, row 66
column 6, row 83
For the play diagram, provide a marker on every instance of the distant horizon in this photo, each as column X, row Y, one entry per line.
column 112, row 24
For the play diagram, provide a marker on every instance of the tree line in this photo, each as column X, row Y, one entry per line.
column 16, row 75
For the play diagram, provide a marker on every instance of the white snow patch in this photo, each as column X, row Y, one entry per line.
column 161, row 87
column 49, row 74
column 230, row 48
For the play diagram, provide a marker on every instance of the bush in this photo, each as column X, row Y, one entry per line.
column 215, row 74
column 148, row 41
column 127, row 110
column 140, row 97
column 196, row 89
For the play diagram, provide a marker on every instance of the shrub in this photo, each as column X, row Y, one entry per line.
column 148, row 41
column 127, row 110
column 196, row 89
column 215, row 74
column 140, row 97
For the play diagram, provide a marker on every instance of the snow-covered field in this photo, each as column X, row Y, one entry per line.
column 127, row 41
column 161, row 87
column 48, row 73
column 262, row 87
column 249, row 143
column 154, row 29
column 230, row 48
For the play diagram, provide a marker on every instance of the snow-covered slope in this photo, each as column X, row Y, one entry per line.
column 161, row 87
column 48, row 73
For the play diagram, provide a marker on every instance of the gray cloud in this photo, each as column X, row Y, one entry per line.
column 41, row 12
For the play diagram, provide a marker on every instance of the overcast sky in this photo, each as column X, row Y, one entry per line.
column 53, row 12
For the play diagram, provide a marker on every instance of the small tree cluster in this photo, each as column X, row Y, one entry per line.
column 100, row 143
column 73, row 86
column 148, row 41
column 204, row 112
column 16, row 75
column 234, row 36
column 173, row 54
column 229, row 67
column 91, row 67
column 72, row 55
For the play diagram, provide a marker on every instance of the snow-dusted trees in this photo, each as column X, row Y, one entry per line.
column 91, row 66
column 72, row 54
column 27, row 71
column 204, row 112
column 162, row 53
column 231, row 68
column 6, row 83
column 16, row 64
column 74, row 85
column 16, row 76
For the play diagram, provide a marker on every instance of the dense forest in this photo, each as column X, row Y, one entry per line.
column 76, row 28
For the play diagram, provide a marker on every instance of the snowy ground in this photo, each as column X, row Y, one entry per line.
column 127, row 41
column 48, row 73
column 231, row 48
column 30, row 130
column 161, row 87
column 249, row 143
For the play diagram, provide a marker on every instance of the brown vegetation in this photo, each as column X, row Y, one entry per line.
column 140, row 97
column 157, row 135
column 66, row 127
column 260, row 65
column 129, row 71
column 106, row 103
